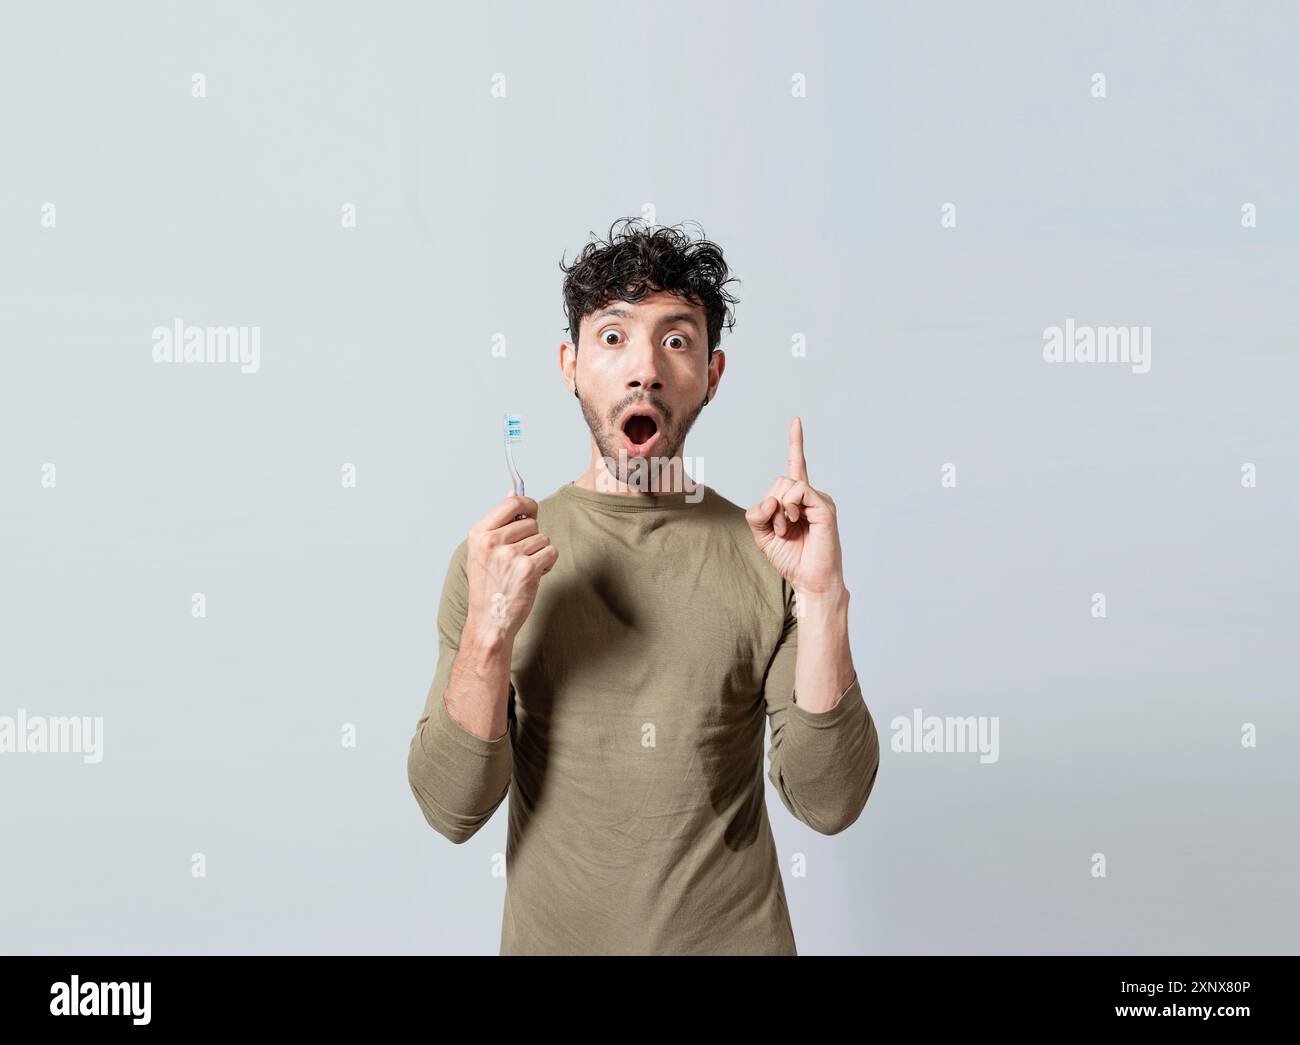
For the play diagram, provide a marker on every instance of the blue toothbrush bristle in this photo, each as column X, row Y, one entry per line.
column 514, row 428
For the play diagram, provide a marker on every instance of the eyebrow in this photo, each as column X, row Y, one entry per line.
column 623, row 313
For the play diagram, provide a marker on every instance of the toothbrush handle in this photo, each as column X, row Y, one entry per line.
column 517, row 480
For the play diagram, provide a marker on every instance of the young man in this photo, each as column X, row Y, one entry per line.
column 612, row 658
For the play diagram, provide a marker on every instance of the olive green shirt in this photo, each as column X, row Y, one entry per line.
column 658, row 649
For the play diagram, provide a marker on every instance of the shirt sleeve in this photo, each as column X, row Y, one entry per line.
column 823, row 764
column 458, row 778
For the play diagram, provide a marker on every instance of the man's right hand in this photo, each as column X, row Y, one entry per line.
column 506, row 561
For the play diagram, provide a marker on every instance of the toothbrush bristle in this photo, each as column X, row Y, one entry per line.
column 514, row 428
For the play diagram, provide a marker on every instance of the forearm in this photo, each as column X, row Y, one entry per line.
column 823, row 661
column 825, row 753
column 479, row 687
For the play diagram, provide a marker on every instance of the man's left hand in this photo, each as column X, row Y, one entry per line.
column 795, row 526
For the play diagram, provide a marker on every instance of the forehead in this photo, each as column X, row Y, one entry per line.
column 656, row 307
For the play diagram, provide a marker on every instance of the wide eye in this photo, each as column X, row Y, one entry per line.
column 608, row 334
column 681, row 341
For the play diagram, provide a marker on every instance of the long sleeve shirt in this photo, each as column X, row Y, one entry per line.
column 658, row 649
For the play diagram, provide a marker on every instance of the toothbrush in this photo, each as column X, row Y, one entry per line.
column 514, row 426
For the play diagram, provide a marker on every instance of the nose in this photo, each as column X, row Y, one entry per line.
column 643, row 372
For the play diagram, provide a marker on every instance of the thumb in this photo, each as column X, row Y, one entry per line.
column 760, row 516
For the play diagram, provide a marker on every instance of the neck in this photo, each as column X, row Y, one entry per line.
column 645, row 475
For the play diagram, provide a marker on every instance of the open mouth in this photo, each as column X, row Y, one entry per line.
column 641, row 432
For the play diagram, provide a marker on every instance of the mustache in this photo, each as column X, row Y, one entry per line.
column 636, row 400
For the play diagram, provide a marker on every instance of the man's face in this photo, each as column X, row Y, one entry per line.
column 642, row 371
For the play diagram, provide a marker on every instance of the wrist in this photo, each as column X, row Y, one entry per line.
column 824, row 601
column 484, row 642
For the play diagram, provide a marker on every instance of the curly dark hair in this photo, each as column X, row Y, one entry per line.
column 636, row 259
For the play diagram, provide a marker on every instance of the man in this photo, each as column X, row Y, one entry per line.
column 611, row 659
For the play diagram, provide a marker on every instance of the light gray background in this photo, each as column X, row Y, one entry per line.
column 222, row 735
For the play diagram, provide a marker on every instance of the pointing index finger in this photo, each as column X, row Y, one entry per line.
column 796, row 466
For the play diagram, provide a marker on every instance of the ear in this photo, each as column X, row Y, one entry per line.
column 716, row 366
column 569, row 363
